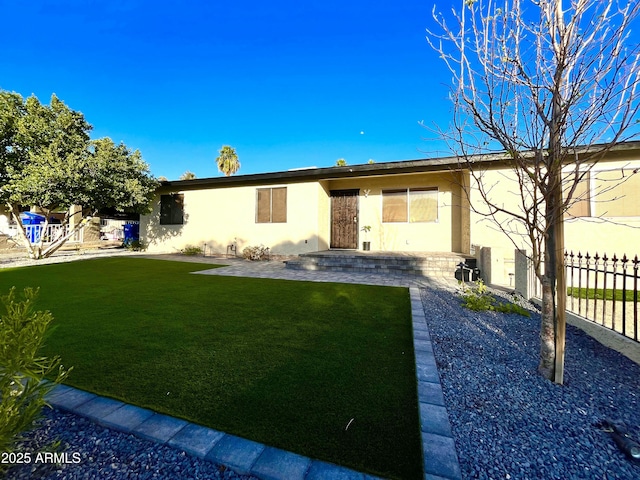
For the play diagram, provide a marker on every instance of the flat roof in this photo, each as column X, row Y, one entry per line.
column 440, row 164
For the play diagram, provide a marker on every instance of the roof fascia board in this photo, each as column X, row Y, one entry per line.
column 442, row 164
column 329, row 173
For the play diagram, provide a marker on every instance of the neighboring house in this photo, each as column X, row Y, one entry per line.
column 108, row 226
column 411, row 206
column 605, row 217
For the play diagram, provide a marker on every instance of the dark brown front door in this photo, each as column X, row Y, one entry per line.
column 344, row 218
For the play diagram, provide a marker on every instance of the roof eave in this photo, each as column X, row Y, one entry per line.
column 442, row 164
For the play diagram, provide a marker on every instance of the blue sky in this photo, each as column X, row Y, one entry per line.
column 289, row 84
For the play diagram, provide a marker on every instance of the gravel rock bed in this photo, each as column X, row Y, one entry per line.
column 508, row 422
column 108, row 455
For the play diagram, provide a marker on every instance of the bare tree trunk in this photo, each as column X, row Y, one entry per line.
column 561, row 301
column 554, row 290
column 546, row 367
column 36, row 251
column 43, row 230
column 15, row 214
column 55, row 246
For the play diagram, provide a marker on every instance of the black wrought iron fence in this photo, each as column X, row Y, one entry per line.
column 604, row 290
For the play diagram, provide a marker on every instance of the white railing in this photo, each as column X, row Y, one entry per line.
column 52, row 233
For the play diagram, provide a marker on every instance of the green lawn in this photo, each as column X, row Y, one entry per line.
column 280, row 362
column 602, row 294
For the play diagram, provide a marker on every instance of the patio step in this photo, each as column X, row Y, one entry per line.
column 389, row 263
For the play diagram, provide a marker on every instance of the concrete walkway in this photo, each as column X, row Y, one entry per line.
column 262, row 461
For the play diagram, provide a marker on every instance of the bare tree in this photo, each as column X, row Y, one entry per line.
column 553, row 86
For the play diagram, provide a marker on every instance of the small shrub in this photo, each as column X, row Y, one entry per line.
column 22, row 368
column 191, row 251
column 259, row 252
column 478, row 298
column 135, row 245
column 509, row 307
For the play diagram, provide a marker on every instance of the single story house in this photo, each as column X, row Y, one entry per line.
column 410, row 206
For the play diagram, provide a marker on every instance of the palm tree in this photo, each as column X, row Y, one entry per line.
column 187, row 175
column 228, row 160
column 341, row 162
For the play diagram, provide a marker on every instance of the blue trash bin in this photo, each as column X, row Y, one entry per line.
column 30, row 221
column 131, row 233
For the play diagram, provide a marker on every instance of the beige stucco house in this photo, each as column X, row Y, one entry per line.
column 417, row 205
column 410, row 206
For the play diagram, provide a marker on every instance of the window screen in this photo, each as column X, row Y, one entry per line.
column 172, row 209
column 394, row 206
column 263, row 205
column 411, row 205
column 423, row 205
column 279, row 205
column 271, row 205
column 618, row 193
column 581, row 199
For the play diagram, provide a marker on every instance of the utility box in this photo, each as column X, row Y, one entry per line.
column 467, row 271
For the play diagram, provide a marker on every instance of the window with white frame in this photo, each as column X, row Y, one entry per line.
column 410, row 205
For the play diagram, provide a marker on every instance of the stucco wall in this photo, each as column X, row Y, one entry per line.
column 617, row 235
column 220, row 217
column 444, row 235
column 485, row 232
column 324, row 213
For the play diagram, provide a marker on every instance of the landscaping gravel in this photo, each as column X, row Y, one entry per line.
column 510, row 423
column 105, row 454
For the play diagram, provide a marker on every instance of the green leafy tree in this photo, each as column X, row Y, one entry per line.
column 228, row 160
column 48, row 161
